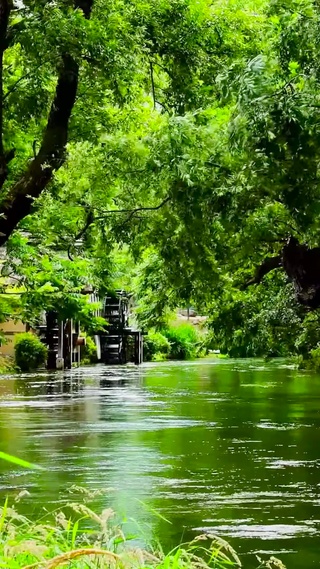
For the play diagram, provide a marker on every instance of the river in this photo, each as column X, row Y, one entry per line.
column 226, row 446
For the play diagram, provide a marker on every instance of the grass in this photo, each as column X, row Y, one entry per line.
column 18, row 461
column 58, row 540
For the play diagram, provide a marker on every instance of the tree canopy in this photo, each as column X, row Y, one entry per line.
column 171, row 145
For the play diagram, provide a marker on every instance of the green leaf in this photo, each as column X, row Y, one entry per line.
column 19, row 461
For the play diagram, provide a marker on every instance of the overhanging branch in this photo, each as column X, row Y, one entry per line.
column 132, row 212
column 266, row 267
column 91, row 219
column 302, row 265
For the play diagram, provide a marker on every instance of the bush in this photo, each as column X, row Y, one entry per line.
column 311, row 360
column 177, row 342
column 156, row 347
column 89, row 352
column 184, row 341
column 30, row 352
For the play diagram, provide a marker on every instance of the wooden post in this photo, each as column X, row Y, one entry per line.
column 67, row 345
column 136, row 350
column 60, row 359
column 51, row 321
column 141, row 347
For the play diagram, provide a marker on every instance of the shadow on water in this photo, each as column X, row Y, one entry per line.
column 227, row 447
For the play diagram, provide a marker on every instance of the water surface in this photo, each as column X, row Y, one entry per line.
column 228, row 447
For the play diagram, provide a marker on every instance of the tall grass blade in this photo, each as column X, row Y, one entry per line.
column 3, row 514
column 19, row 461
column 153, row 512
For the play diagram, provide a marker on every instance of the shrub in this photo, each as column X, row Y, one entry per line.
column 176, row 342
column 184, row 341
column 311, row 360
column 30, row 352
column 156, row 347
column 89, row 352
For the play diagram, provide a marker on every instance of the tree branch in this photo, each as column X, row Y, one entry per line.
column 132, row 212
column 29, row 74
column 18, row 202
column 89, row 221
column 152, row 85
column 266, row 267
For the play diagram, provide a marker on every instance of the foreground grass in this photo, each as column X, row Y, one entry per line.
column 57, row 541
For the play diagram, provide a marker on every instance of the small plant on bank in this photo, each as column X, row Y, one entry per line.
column 89, row 352
column 183, row 339
column 180, row 341
column 156, row 347
column 30, row 352
column 56, row 541
column 7, row 365
column 311, row 361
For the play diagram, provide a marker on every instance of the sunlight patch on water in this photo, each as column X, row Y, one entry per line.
column 293, row 463
column 265, row 424
column 264, row 532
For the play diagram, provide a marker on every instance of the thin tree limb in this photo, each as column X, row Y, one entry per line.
column 91, row 219
column 29, row 74
column 134, row 211
column 153, row 86
column 266, row 267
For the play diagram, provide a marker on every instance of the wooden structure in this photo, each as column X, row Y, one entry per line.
column 119, row 343
column 63, row 340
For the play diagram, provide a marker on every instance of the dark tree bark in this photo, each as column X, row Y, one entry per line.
column 18, row 201
column 302, row 265
column 268, row 265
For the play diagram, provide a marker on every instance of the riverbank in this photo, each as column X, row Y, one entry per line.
column 60, row 539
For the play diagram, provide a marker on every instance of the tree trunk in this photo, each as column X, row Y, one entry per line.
column 302, row 266
column 18, row 201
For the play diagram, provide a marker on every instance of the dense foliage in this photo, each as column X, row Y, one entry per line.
column 30, row 352
column 170, row 146
column 179, row 341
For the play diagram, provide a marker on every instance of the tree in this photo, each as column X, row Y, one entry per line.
column 188, row 143
column 18, row 198
column 125, row 84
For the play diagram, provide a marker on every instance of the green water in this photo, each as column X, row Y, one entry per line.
column 230, row 447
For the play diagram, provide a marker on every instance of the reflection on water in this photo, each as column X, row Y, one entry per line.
column 230, row 447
